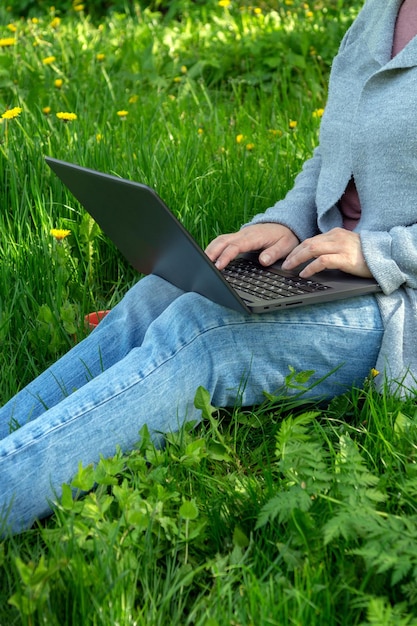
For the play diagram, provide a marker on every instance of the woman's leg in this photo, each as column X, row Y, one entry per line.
column 193, row 342
column 121, row 330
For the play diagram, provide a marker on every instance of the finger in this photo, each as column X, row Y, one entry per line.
column 216, row 247
column 225, row 248
column 313, row 248
column 325, row 262
column 273, row 253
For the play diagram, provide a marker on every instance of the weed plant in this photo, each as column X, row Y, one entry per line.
column 292, row 513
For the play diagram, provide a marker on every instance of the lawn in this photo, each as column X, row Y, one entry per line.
column 287, row 513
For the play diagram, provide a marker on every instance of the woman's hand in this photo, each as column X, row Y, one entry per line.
column 337, row 249
column 275, row 241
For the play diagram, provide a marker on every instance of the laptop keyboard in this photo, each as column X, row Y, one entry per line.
column 259, row 281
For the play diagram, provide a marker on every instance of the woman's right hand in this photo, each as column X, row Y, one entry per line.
column 274, row 241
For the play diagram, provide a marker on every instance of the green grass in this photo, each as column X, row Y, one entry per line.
column 289, row 513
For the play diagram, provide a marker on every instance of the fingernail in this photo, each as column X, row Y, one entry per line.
column 265, row 258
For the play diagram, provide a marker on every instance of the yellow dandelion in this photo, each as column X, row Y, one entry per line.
column 59, row 233
column 200, row 131
column 12, row 28
column 374, row 372
column 99, row 137
column 34, row 20
column 318, row 113
column 79, row 7
column 46, row 110
column 49, row 60
column 66, row 117
column 123, row 114
column 58, row 82
column 250, row 146
column 7, row 41
column 184, row 69
column 177, row 79
column 292, row 124
column 55, row 22
column 309, row 14
column 100, row 57
column 11, row 113
column 257, row 10
column 133, row 99
column 224, row 3
column 239, row 138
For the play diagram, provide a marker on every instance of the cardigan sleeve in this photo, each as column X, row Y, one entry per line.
column 392, row 256
column 298, row 210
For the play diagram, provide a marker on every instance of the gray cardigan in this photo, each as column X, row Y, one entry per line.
column 368, row 130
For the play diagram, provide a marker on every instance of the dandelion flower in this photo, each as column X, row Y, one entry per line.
column 46, row 110
column 224, row 3
column 55, row 22
column 100, row 57
column 200, row 131
column 58, row 82
column 292, row 124
column 49, row 60
column 11, row 113
column 374, row 372
column 184, row 69
column 66, row 117
column 79, row 7
column 59, row 233
column 239, row 138
column 7, row 41
column 133, row 99
column 250, row 146
column 123, row 114
column 12, row 28
column 318, row 113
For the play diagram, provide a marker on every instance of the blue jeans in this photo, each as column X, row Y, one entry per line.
column 143, row 364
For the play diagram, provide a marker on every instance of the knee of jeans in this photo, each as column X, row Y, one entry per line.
column 192, row 305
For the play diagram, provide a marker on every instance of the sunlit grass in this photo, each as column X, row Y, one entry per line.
column 217, row 111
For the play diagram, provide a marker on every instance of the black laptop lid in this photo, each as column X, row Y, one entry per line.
column 160, row 245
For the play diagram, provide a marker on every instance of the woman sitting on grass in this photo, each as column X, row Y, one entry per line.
column 353, row 207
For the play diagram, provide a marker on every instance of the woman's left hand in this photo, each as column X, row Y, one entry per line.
column 338, row 249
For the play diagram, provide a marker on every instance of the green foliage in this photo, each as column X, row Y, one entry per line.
column 298, row 521
column 288, row 513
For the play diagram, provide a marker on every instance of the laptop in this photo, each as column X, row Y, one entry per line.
column 152, row 239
